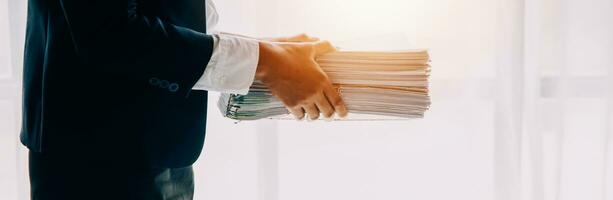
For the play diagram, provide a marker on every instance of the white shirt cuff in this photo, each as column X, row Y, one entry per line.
column 232, row 66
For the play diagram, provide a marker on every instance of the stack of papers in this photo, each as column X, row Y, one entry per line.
column 389, row 84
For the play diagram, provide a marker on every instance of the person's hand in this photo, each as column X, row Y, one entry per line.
column 296, row 38
column 289, row 70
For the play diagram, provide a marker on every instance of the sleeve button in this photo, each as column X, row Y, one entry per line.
column 154, row 81
column 174, row 87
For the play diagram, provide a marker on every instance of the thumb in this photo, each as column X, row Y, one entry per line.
column 323, row 47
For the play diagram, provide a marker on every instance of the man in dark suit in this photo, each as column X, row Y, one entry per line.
column 111, row 108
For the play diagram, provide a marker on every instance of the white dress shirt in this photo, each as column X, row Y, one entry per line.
column 233, row 63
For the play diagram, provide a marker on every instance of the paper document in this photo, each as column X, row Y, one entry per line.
column 386, row 84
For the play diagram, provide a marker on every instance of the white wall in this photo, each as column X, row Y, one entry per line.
column 12, row 155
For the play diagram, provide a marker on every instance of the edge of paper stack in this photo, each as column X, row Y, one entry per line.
column 374, row 86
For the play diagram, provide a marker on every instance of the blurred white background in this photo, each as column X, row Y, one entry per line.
column 522, row 106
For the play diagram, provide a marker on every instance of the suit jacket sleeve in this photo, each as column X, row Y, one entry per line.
column 121, row 40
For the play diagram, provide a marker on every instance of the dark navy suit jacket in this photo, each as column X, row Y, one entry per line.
column 116, row 75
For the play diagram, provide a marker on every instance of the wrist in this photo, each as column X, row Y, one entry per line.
column 267, row 54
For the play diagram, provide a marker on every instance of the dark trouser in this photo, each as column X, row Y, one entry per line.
column 84, row 177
